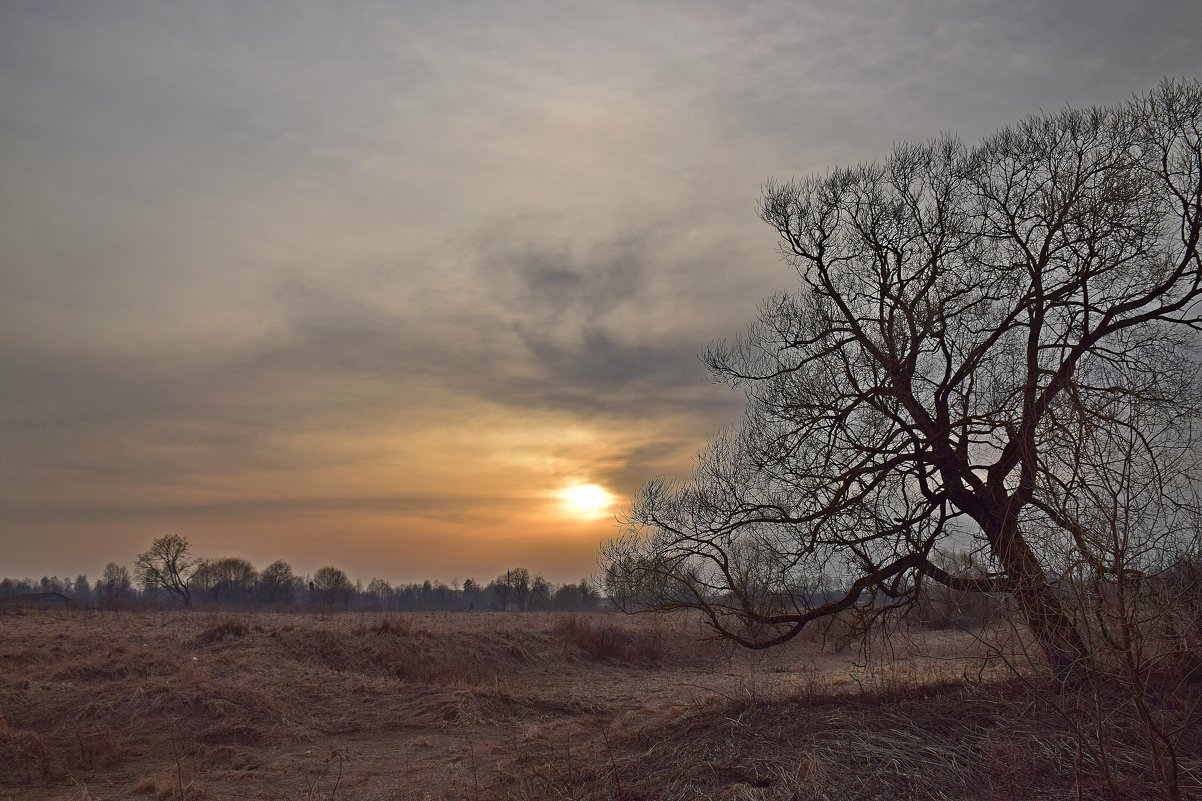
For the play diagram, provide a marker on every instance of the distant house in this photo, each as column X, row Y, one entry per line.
column 39, row 600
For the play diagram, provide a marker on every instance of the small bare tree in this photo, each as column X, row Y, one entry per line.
column 167, row 565
column 1127, row 493
column 114, row 585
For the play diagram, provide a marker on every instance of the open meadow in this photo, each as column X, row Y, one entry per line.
column 177, row 705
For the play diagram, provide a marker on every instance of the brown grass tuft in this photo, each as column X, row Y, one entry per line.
column 229, row 627
column 608, row 642
column 170, row 786
column 23, row 752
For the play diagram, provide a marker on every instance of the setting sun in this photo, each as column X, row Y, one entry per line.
column 586, row 500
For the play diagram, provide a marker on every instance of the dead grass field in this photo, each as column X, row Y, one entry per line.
column 102, row 705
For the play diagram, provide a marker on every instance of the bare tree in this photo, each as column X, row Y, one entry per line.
column 168, row 566
column 1128, row 495
column 229, row 580
column 81, row 590
column 963, row 315
column 540, row 593
column 331, row 587
column 379, row 592
column 276, row 583
column 114, row 584
column 511, row 588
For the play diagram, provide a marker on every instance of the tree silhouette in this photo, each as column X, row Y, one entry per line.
column 167, row 566
column 276, row 583
column 331, row 587
column 968, row 318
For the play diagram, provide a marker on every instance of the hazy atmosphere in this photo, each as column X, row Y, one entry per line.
column 418, row 288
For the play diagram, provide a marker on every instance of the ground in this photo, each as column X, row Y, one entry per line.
column 195, row 705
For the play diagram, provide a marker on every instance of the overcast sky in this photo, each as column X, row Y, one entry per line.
column 368, row 284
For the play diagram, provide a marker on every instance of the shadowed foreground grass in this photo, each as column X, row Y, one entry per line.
column 525, row 706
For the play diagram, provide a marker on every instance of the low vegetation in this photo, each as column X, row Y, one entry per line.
column 192, row 705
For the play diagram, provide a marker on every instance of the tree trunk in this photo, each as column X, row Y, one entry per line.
column 1054, row 628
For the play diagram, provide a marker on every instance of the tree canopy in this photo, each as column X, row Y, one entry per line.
column 991, row 348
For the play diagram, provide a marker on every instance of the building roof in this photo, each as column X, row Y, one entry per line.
column 38, row 598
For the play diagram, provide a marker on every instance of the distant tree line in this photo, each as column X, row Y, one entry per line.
column 168, row 574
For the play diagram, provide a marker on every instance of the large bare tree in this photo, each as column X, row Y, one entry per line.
column 982, row 341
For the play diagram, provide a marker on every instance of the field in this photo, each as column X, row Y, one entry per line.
column 103, row 705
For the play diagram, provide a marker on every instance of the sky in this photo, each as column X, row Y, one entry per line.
column 377, row 284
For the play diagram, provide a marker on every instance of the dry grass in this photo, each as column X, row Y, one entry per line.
column 510, row 706
column 604, row 640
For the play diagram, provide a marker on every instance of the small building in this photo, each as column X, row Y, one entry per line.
column 39, row 600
